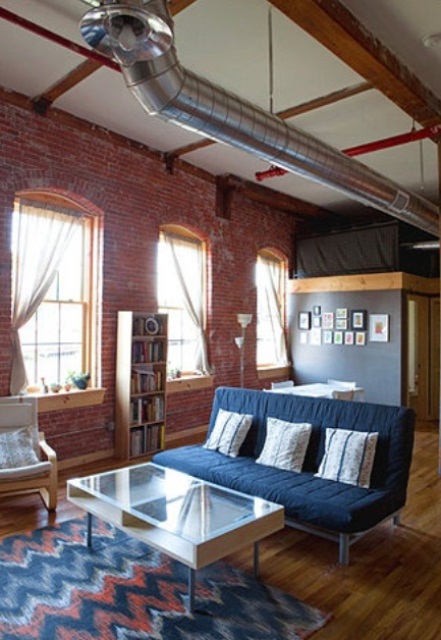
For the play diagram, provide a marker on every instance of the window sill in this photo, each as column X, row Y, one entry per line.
column 264, row 373
column 189, row 383
column 69, row 399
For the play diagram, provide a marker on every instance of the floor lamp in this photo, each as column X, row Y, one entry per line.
column 244, row 320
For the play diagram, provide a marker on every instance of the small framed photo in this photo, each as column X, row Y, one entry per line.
column 378, row 327
column 360, row 338
column 316, row 322
column 359, row 320
column 341, row 324
column 316, row 310
column 338, row 337
column 315, row 337
column 341, row 313
column 305, row 320
column 349, row 337
column 327, row 337
column 303, row 337
column 328, row 320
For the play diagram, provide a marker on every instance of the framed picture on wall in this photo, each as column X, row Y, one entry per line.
column 358, row 320
column 305, row 320
column 316, row 310
column 316, row 322
column 338, row 337
column 341, row 324
column 327, row 337
column 360, row 338
column 378, row 327
column 316, row 337
column 349, row 337
column 341, row 313
column 328, row 320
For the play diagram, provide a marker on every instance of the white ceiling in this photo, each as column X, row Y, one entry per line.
column 228, row 42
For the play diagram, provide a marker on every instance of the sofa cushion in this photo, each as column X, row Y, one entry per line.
column 285, row 444
column 349, row 456
column 229, row 432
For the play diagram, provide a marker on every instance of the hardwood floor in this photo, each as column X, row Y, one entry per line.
column 390, row 591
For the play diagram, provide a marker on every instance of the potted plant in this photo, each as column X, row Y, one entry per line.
column 79, row 380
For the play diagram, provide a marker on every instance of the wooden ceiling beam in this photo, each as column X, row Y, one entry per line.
column 331, row 24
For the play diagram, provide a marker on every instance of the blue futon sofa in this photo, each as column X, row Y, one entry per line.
column 332, row 509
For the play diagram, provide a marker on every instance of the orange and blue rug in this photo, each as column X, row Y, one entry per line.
column 53, row 587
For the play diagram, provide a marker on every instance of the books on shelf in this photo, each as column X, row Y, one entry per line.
column 145, row 439
column 147, row 351
column 150, row 409
column 144, row 379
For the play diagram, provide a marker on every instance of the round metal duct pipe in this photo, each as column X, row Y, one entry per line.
column 166, row 89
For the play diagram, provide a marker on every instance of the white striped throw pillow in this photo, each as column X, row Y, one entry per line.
column 349, row 456
column 285, row 444
column 229, row 432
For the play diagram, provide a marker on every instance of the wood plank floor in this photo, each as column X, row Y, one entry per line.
column 390, row 591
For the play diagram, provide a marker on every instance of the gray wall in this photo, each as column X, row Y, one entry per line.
column 377, row 366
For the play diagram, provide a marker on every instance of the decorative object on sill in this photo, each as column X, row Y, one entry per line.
column 244, row 320
column 80, row 380
column 55, row 387
column 44, row 387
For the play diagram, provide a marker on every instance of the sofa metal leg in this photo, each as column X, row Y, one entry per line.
column 396, row 519
column 343, row 549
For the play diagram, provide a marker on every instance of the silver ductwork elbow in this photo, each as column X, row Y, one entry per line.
column 165, row 89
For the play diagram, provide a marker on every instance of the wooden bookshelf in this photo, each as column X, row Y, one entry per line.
column 141, row 372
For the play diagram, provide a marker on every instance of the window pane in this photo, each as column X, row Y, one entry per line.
column 183, row 345
column 54, row 339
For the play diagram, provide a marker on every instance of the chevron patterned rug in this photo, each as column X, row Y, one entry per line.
column 53, row 587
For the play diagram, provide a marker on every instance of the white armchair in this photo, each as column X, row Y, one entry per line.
column 27, row 462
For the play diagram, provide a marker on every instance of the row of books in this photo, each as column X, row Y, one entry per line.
column 147, row 409
column 145, row 439
column 145, row 379
column 147, row 351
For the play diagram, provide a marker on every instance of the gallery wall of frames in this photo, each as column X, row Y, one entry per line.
column 349, row 336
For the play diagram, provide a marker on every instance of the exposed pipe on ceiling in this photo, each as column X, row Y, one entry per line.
column 139, row 34
column 368, row 147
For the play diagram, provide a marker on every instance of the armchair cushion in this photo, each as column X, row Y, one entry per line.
column 17, row 448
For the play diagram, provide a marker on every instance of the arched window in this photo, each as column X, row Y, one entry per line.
column 271, row 291
column 54, row 273
column 182, row 295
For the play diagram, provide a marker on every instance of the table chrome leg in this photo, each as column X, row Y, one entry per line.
column 256, row 560
column 89, row 529
column 191, row 590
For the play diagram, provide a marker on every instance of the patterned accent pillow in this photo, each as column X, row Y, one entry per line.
column 349, row 456
column 229, row 432
column 17, row 448
column 285, row 444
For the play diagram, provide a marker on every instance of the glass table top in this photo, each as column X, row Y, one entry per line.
column 193, row 509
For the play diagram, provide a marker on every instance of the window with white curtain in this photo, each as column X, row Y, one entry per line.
column 270, row 283
column 52, row 248
column 182, row 295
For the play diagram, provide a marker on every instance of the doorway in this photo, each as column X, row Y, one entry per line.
column 423, row 356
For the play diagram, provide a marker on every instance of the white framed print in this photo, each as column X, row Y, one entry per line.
column 360, row 338
column 327, row 337
column 349, row 337
column 379, row 327
column 338, row 337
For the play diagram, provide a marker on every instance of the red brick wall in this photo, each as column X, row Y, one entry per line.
column 133, row 194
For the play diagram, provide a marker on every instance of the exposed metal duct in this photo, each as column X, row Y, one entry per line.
column 139, row 30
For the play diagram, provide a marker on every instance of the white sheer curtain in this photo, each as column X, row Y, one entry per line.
column 270, row 273
column 192, row 293
column 40, row 237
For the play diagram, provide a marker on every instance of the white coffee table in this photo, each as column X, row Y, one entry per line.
column 193, row 521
